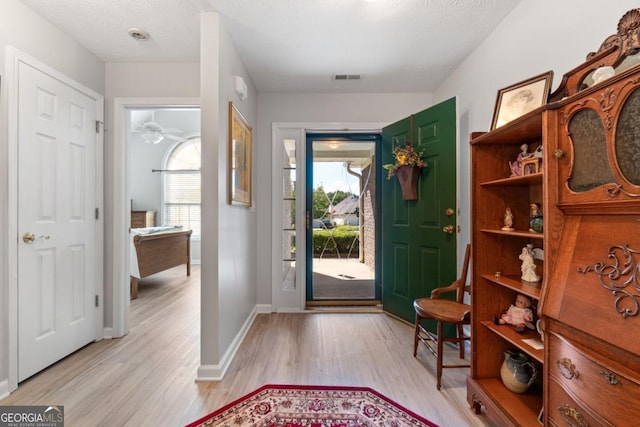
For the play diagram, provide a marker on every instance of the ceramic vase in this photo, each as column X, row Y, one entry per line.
column 517, row 372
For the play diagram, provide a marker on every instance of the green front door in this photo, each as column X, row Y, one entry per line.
column 417, row 254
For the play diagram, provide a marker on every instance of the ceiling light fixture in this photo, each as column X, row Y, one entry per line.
column 138, row 34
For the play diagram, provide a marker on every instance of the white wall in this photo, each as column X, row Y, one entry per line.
column 313, row 108
column 536, row 37
column 145, row 185
column 228, row 294
column 26, row 31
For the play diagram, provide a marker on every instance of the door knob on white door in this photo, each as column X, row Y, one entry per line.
column 30, row 237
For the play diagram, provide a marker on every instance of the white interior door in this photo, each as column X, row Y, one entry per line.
column 55, row 219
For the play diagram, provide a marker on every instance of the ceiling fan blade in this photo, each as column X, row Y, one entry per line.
column 137, row 127
column 152, row 127
column 174, row 137
column 171, row 130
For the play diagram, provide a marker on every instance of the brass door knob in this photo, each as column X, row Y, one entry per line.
column 449, row 229
column 30, row 237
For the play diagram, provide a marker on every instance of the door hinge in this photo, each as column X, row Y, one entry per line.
column 97, row 213
column 98, row 124
column 97, row 300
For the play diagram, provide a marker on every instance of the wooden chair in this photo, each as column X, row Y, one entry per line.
column 444, row 311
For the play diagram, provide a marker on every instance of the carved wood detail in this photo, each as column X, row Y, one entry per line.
column 621, row 277
column 627, row 38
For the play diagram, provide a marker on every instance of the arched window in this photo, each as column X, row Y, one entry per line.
column 182, row 186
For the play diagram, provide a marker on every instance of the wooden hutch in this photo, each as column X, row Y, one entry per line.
column 589, row 298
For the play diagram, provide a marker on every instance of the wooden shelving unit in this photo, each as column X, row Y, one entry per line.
column 496, row 268
column 588, row 300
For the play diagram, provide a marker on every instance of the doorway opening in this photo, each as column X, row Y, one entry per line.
column 164, row 185
column 342, row 226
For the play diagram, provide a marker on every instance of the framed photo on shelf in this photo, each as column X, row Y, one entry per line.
column 520, row 98
column 239, row 176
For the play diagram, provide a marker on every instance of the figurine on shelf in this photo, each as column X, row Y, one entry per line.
column 508, row 220
column 519, row 314
column 538, row 152
column 516, row 166
column 528, row 266
column 535, row 215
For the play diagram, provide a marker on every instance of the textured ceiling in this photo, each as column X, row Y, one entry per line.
column 295, row 45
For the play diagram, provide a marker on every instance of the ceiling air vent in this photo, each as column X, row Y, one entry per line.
column 346, row 77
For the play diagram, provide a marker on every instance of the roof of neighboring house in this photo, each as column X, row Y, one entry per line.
column 347, row 206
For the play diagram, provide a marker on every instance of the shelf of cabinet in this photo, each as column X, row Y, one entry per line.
column 514, row 283
column 525, row 180
column 515, row 233
column 517, row 409
column 508, row 333
column 523, row 129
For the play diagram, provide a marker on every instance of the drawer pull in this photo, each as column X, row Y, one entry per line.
column 611, row 378
column 567, row 368
column 571, row 416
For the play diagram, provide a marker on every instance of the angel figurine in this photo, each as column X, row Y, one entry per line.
column 508, row 220
column 528, row 266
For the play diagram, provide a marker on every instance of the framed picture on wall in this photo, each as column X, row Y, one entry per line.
column 239, row 177
column 521, row 98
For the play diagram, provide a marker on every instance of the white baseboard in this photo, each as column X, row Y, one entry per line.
column 107, row 333
column 4, row 389
column 216, row 372
column 263, row 308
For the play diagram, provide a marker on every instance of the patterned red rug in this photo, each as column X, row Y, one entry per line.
column 312, row 406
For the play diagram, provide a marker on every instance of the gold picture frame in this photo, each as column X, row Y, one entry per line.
column 240, row 149
column 521, row 98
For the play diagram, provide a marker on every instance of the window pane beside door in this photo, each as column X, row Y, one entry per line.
column 288, row 215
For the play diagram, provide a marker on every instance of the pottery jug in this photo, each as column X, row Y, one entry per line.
column 517, row 372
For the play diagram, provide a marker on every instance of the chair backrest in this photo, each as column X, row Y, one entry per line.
column 463, row 286
column 460, row 285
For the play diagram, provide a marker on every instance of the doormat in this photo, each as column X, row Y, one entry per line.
column 312, row 406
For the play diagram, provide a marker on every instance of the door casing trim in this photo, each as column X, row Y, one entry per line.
column 295, row 301
column 121, row 196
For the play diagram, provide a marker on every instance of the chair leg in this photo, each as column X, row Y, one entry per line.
column 415, row 336
column 439, row 371
column 461, row 341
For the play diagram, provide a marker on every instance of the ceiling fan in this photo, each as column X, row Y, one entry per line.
column 153, row 133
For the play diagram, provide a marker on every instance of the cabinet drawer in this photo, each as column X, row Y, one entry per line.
column 565, row 411
column 605, row 391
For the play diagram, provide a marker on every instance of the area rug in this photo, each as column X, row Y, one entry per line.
column 312, row 406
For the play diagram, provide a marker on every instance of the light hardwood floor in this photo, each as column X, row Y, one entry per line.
column 147, row 378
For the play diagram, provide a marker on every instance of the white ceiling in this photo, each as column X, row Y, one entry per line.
column 294, row 45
